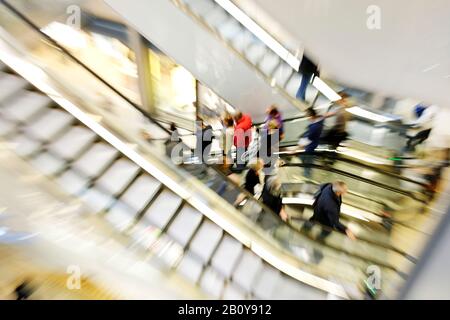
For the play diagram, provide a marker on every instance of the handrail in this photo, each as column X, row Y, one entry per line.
column 266, row 208
column 327, row 154
column 67, row 52
column 352, row 176
column 149, row 117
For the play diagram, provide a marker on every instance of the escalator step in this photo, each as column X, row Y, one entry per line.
column 49, row 125
column 184, row 225
column 163, row 208
column 72, row 142
column 212, row 283
column 25, row 106
column 118, row 176
column 191, row 268
column 205, row 240
column 140, row 192
column 95, row 159
column 247, row 269
column 10, row 85
column 227, row 255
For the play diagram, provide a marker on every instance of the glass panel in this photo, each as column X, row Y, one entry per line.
column 173, row 86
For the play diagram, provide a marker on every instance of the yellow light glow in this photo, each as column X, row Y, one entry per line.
column 65, row 35
column 183, row 86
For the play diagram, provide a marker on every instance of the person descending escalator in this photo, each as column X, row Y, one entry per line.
column 269, row 143
column 204, row 141
column 327, row 208
column 308, row 69
column 226, row 140
column 252, row 178
column 421, row 126
column 310, row 140
column 338, row 132
column 271, row 197
column 274, row 114
column 242, row 138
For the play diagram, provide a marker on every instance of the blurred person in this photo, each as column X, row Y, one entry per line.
column 274, row 114
column 224, row 167
column 307, row 69
column 338, row 132
column 24, row 290
column 251, row 180
column 204, row 141
column 327, row 208
column 242, row 137
column 269, row 142
column 271, row 197
column 425, row 115
column 172, row 142
column 227, row 139
column 310, row 140
column 252, row 177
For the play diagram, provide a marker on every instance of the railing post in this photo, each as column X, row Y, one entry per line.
column 143, row 67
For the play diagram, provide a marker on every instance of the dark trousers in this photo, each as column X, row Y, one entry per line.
column 417, row 139
column 301, row 92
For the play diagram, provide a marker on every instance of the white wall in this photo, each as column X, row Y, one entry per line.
column 393, row 61
column 200, row 52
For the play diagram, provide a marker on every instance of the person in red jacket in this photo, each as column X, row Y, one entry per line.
column 242, row 137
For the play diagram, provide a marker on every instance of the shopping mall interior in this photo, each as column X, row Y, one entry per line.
column 105, row 105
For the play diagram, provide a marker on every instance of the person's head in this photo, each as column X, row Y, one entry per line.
column 273, row 111
column 343, row 102
column 173, row 127
column 339, row 188
column 237, row 116
column 257, row 165
column 228, row 122
column 312, row 114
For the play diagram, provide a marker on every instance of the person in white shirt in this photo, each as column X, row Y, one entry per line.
column 226, row 143
column 424, row 123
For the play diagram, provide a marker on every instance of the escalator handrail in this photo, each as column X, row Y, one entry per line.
column 148, row 116
column 327, row 154
column 266, row 208
column 356, row 177
column 200, row 20
column 79, row 62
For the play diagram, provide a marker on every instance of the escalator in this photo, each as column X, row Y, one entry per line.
column 162, row 207
column 133, row 201
column 223, row 53
column 166, row 211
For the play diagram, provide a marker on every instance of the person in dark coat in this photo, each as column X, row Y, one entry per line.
column 271, row 196
column 310, row 140
column 307, row 69
column 327, row 208
column 252, row 176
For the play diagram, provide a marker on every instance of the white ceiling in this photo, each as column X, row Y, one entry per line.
column 393, row 61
